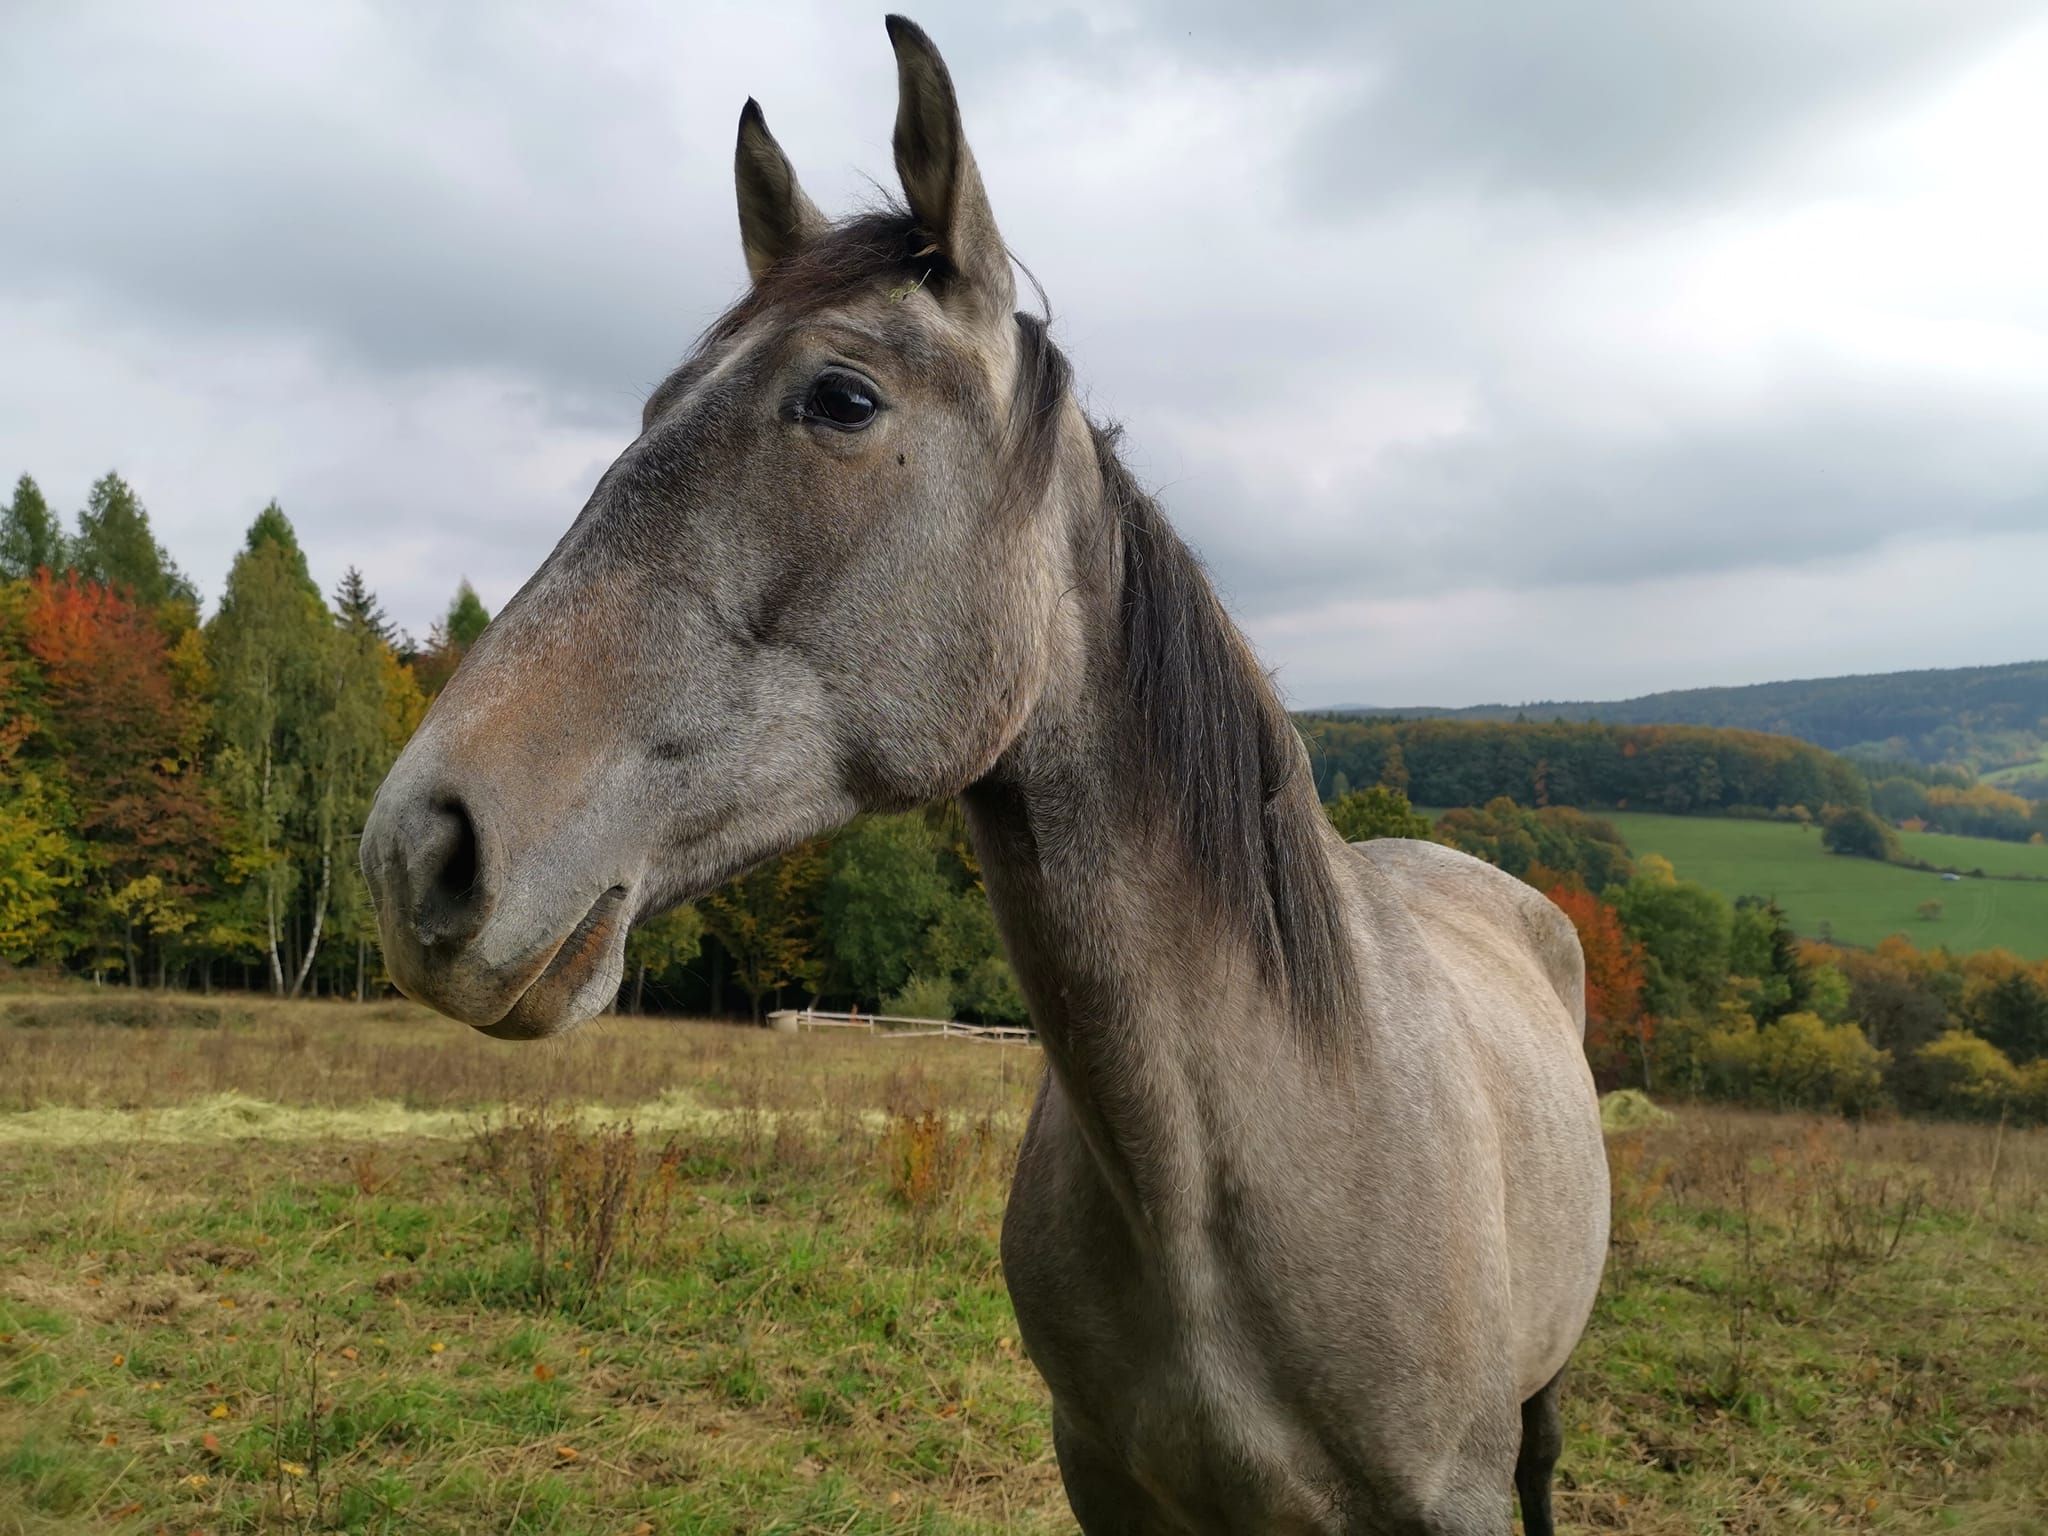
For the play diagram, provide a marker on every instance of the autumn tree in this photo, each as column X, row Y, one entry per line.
column 2012, row 1013
column 38, row 859
column 126, row 739
column 1764, row 960
column 767, row 921
column 1616, row 1021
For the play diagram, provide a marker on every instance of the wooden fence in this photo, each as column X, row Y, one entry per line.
column 888, row 1026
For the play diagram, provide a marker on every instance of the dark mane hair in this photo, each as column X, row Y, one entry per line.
column 1232, row 773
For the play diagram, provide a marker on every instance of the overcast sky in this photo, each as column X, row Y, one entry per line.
column 1487, row 353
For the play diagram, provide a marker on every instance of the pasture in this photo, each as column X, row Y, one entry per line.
column 1859, row 900
column 320, row 1267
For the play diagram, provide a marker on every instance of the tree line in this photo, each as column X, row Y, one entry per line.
column 1676, row 769
column 180, row 797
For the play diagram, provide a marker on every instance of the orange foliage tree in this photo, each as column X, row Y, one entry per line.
column 125, row 736
column 1616, row 1021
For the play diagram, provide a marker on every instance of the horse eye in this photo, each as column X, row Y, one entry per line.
column 840, row 400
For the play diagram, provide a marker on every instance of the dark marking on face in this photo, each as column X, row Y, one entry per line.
column 900, row 459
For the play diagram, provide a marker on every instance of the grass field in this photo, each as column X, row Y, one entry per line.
column 1992, row 855
column 269, row 1268
column 1860, row 901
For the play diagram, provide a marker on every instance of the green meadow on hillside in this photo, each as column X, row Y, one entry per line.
column 1990, row 854
column 1859, row 901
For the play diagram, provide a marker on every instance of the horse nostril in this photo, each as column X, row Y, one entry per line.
column 449, row 899
column 456, row 845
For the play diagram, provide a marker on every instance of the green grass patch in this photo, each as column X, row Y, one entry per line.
column 1858, row 901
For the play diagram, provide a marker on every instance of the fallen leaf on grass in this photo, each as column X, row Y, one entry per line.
column 567, row 1453
column 543, row 1372
column 292, row 1468
column 110, row 1438
column 210, row 1443
column 193, row 1480
column 219, row 1411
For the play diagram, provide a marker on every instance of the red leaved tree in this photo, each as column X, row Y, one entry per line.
column 1616, row 1022
column 126, row 737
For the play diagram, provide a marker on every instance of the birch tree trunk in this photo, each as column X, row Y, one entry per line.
column 319, row 918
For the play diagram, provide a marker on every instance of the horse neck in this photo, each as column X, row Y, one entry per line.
column 1150, row 994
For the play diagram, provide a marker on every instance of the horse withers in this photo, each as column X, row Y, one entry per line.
column 1312, row 1206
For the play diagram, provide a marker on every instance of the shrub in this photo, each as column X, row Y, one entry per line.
column 1963, row 1075
column 1798, row 1062
column 1630, row 1109
column 1858, row 834
column 922, row 1157
column 922, row 997
column 990, row 991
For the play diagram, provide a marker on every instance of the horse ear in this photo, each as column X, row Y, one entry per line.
column 939, row 175
column 776, row 219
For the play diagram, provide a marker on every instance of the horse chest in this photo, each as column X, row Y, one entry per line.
column 1156, row 1377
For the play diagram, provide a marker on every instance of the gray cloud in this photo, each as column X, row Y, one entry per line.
column 1447, row 304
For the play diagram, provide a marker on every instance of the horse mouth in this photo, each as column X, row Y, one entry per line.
column 559, row 998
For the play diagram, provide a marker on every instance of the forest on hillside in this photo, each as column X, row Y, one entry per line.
column 1978, row 718
column 1682, row 770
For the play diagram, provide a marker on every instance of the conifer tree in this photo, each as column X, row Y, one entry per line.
column 31, row 537
column 116, row 548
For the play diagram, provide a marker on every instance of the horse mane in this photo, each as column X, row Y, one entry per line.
column 1232, row 775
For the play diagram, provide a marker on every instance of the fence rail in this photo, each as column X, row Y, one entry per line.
column 889, row 1026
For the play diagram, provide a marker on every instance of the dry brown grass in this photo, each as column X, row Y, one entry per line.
column 110, row 1049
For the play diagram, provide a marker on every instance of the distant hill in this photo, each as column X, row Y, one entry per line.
column 1991, row 720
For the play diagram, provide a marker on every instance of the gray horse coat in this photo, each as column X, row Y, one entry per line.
column 1312, row 1207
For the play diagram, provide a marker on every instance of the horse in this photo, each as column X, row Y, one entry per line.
column 1311, row 1207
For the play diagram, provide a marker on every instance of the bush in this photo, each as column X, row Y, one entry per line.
column 990, row 992
column 922, row 997
column 1630, row 1109
column 1963, row 1075
column 1858, row 835
column 1799, row 1062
